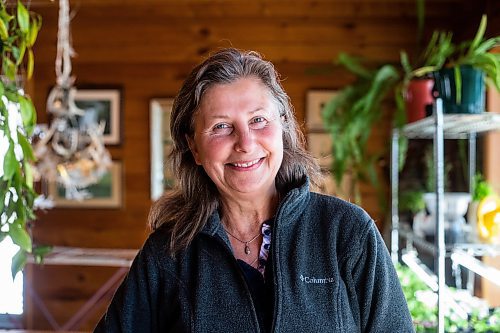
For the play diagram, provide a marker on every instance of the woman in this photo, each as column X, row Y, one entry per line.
column 241, row 244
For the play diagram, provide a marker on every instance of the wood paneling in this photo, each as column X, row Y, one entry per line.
column 148, row 47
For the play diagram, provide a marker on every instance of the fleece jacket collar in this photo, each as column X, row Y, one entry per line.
column 289, row 209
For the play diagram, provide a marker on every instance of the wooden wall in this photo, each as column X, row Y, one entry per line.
column 148, row 47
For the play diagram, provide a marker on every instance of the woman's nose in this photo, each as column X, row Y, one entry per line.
column 244, row 140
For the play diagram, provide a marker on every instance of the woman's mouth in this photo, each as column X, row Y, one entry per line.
column 246, row 165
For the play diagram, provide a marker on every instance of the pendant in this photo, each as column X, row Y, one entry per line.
column 247, row 249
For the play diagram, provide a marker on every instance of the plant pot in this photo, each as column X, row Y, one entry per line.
column 455, row 205
column 472, row 94
column 418, row 99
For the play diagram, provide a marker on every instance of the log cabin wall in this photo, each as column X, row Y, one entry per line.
column 148, row 47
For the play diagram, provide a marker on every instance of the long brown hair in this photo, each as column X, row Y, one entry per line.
column 186, row 208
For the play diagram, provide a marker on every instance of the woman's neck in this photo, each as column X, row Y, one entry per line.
column 245, row 217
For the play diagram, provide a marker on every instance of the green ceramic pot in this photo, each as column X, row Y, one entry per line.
column 472, row 92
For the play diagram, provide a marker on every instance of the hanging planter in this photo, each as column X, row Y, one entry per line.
column 462, row 89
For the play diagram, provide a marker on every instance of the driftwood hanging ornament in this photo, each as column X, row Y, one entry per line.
column 69, row 152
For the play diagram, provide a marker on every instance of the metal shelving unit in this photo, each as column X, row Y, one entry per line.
column 438, row 127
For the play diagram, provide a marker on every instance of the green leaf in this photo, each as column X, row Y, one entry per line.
column 479, row 34
column 28, row 175
column 20, row 236
column 34, row 29
column 9, row 68
column 26, row 147
column 458, row 84
column 18, row 262
column 28, row 113
column 40, row 252
column 22, row 51
column 23, row 18
column 31, row 64
column 3, row 193
column 2, row 88
column 10, row 163
column 4, row 30
column 405, row 63
column 2, row 236
column 353, row 65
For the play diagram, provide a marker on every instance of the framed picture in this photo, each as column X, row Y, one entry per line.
column 162, row 178
column 101, row 105
column 316, row 100
column 107, row 193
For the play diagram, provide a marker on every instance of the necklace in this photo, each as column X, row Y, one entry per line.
column 247, row 248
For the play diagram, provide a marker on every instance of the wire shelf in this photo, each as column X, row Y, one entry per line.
column 455, row 126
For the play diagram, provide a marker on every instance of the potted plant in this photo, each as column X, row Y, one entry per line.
column 414, row 94
column 18, row 33
column 460, row 81
column 349, row 118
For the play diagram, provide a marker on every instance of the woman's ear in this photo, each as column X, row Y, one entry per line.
column 193, row 149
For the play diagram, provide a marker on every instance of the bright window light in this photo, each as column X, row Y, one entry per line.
column 11, row 301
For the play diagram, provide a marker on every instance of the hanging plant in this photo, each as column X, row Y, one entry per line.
column 18, row 33
column 349, row 118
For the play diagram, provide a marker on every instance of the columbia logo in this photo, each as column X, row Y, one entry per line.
column 307, row 279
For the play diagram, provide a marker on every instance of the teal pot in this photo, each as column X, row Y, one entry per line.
column 418, row 99
column 472, row 92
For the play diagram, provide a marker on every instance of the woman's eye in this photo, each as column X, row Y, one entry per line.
column 221, row 128
column 258, row 122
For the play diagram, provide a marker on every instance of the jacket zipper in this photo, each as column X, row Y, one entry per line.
column 242, row 279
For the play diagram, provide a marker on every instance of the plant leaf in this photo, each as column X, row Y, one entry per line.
column 10, row 163
column 458, row 84
column 40, row 252
column 31, row 64
column 353, row 65
column 9, row 68
column 4, row 31
column 34, row 29
column 26, row 147
column 28, row 175
column 28, row 113
column 18, row 262
column 19, row 235
column 23, row 18
column 479, row 34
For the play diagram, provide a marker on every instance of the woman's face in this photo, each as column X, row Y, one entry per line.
column 238, row 138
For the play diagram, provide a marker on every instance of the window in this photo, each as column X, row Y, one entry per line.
column 11, row 301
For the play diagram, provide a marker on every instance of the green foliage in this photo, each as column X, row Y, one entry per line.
column 476, row 53
column 350, row 116
column 412, row 201
column 481, row 188
column 18, row 32
column 425, row 317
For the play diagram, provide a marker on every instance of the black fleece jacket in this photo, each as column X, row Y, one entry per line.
column 331, row 272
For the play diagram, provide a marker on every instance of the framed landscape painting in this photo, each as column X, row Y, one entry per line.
column 107, row 193
column 101, row 105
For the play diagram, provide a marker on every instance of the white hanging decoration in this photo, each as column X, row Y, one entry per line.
column 69, row 153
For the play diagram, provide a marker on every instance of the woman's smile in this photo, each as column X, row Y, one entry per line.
column 246, row 166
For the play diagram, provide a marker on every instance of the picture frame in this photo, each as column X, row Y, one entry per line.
column 107, row 193
column 102, row 105
column 161, row 145
column 315, row 101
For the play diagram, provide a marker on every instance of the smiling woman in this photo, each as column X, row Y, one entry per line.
column 241, row 244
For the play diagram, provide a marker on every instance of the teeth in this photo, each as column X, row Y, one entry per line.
column 246, row 165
